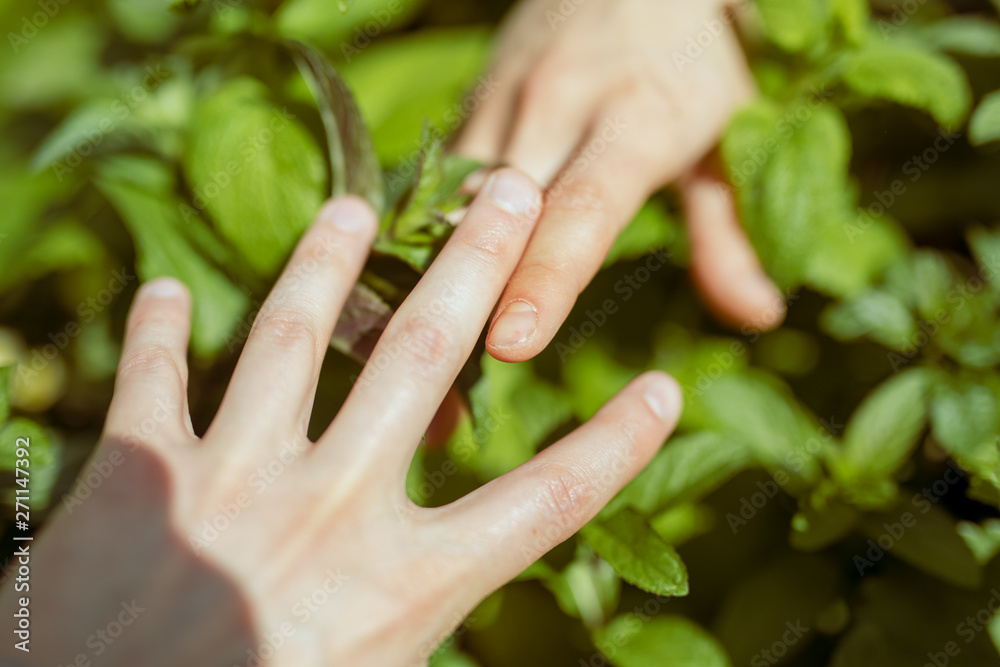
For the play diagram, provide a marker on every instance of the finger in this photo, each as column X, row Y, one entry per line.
column 586, row 207
column 274, row 383
column 724, row 266
column 150, row 400
column 485, row 133
column 555, row 107
column 518, row 517
column 432, row 334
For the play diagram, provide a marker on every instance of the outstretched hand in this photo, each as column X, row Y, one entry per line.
column 252, row 543
column 604, row 102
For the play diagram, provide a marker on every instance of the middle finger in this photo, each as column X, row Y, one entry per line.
column 429, row 339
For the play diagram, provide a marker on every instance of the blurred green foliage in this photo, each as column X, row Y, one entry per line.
column 833, row 494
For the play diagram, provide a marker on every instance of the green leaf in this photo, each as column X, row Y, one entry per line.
column 763, row 412
column 924, row 536
column 965, row 420
column 58, row 64
column 985, row 124
column 686, row 469
column 792, row 187
column 637, row 553
column 800, row 192
column 256, row 170
column 354, row 165
column 983, row 540
column 516, row 410
column 148, row 109
column 345, row 34
column 405, row 82
column 817, row 527
column 141, row 190
column 143, row 21
column 592, row 375
column 876, row 314
column 60, row 246
column 44, row 456
column 923, row 280
column 696, row 361
column 26, row 197
column 883, row 431
column 588, row 589
column 651, row 229
column 964, row 417
column 746, row 148
column 92, row 123
column 683, row 522
column 853, row 16
column 630, row 642
column 422, row 220
column 910, row 76
column 852, row 257
column 747, row 138
column 417, row 213
column 985, row 245
column 795, row 25
column 967, row 35
column 451, row 657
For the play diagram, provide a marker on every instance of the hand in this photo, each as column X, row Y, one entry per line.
column 254, row 543
column 599, row 101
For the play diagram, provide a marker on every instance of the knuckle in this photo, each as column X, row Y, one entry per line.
column 431, row 344
column 488, row 246
column 566, row 492
column 539, row 90
column 152, row 358
column 287, row 327
column 550, row 81
column 578, row 199
column 325, row 245
column 553, row 273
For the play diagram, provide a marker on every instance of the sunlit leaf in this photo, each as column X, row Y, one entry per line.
column 256, row 170
column 985, row 124
column 637, row 553
column 142, row 192
column 910, row 76
column 631, row 642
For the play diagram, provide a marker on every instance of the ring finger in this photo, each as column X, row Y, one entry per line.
column 273, row 385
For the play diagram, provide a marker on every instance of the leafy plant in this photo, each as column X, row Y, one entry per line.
column 834, row 492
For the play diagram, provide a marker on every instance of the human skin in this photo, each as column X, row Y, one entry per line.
column 600, row 103
column 321, row 560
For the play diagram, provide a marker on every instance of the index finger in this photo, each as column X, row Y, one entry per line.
column 586, row 207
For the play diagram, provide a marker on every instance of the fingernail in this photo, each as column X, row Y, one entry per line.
column 515, row 324
column 348, row 214
column 163, row 288
column 514, row 192
column 663, row 397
